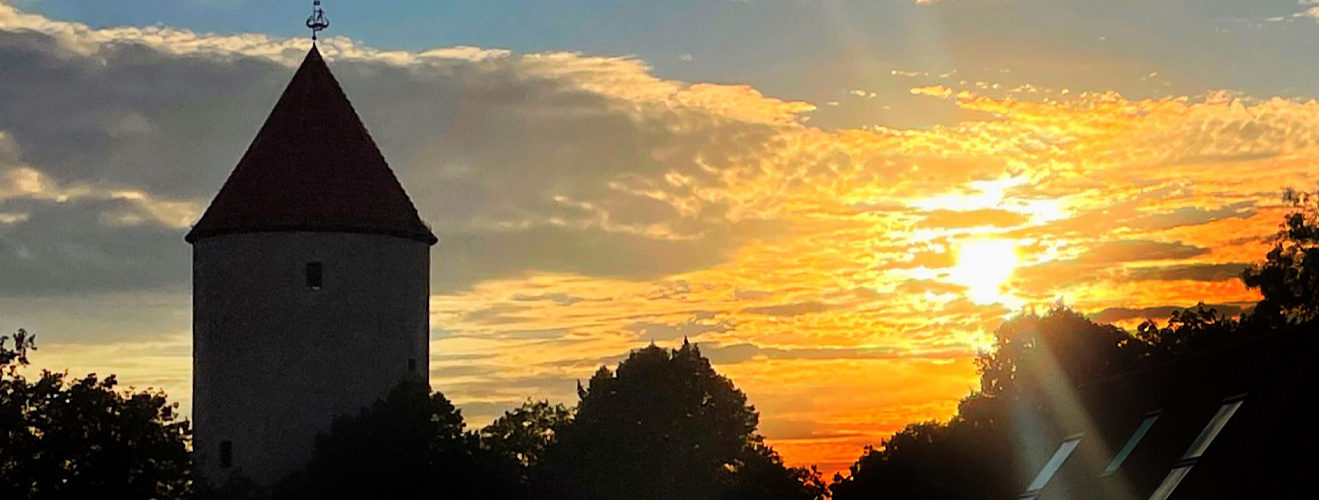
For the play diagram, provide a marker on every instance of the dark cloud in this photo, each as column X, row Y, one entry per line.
column 76, row 248
column 562, row 299
column 1128, row 214
column 1100, row 262
column 1193, row 272
column 470, row 256
column 458, row 370
column 497, row 314
column 691, row 328
column 752, row 294
column 1115, row 314
column 518, row 169
column 1113, row 252
column 1191, row 216
column 743, row 352
column 522, row 334
column 72, row 317
column 792, row 309
column 131, row 115
column 731, row 354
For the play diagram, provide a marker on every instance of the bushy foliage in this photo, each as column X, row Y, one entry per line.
column 760, row 474
column 969, row 456
column 1030, row 350
column 665, row 425
column 75, row 438
column 411, row 444
column 522, row 434
column 1188, row 331
column 1034, row 357
column 1288, row 278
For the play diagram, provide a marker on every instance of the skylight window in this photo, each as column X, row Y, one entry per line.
column 1215, row 426
column 1131, row 443
column 1051, row 467
column 1198, row 447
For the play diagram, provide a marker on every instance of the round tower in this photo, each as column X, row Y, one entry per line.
column 310, row 286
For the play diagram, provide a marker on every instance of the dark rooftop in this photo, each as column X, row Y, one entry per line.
column 312, row 167
column 1229, row 423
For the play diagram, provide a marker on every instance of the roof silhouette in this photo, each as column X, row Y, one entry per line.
column 312, row 167
column 1264, row 450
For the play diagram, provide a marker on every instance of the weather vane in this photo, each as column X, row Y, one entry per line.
column 317, row 21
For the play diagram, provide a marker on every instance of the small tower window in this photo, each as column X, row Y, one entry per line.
column 226, row 454
column 315, row 275
column 412, row 365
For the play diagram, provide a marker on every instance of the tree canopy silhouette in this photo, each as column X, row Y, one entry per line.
column 665, row 425
column 1288, row 278
column 1187, row 331
column 519, row 438
column 1031, row 349
column 970, row 456
column 85, row 438
column 410, row 444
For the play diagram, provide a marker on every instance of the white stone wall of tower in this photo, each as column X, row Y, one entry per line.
column 274, row 360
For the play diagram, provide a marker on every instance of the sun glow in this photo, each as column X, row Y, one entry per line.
column 984, row 266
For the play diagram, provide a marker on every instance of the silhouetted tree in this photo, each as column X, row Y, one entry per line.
column 759, row 474
column 85, row 438
column 1188, row 330
column 1288, row 278
column 1030, row 350
column 664, row 425
column 523, row 433
column 408, row 445
column 971, row 455
column 13, row 359
column 931, row 460
column 518, row 439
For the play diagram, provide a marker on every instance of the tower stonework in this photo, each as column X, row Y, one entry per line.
column 310, row 286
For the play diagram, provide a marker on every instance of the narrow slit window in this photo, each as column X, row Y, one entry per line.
column 315, row 275
column 412, row 366
column 1131, row 443
column 1051, row 467
column 226, row 454
column 1198, row 447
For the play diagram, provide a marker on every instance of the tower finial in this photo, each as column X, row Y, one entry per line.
column 317, row 21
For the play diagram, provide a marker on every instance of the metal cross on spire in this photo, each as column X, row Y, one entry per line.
column 317, row 21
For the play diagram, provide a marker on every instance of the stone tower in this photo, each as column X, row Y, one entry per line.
column 310, row 286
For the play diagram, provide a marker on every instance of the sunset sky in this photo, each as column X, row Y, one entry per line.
column 837, row 200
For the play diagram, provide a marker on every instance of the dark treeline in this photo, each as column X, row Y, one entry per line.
column 662, row 425
column 63, row 438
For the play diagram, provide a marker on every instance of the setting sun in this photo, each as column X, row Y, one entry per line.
column 983, row 267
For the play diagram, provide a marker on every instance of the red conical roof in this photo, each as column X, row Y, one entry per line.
column 312, row 167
